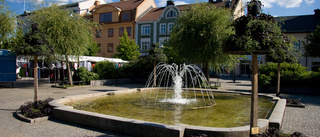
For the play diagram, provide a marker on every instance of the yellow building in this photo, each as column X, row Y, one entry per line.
column 114, row 18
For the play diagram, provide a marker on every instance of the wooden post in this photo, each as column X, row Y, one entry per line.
column 278, row 83
column 35, row 77
column 254, row 129
column 154, row 74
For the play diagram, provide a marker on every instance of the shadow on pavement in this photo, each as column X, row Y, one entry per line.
column 106, row 133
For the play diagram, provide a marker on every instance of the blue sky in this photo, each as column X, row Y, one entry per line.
column 273, row 7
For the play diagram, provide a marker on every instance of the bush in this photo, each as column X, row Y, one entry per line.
column 106, row 70
column 292, row 74
column 37, row 109
column 83, row 74
column 264, row 80
column 140, row 68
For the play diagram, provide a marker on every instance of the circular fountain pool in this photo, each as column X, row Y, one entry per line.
column 231, row 110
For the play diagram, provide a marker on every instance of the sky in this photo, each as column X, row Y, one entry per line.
column 275, row 8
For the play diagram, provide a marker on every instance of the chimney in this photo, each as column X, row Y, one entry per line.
column 317, row 12
column 170, row 2
column 97, row 2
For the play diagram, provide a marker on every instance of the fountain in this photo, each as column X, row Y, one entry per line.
column 176, row 79
column 177, row 101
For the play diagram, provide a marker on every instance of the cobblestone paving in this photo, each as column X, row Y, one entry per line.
column 12, row 98
column 304, row 120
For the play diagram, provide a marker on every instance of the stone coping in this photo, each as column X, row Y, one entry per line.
column 141, row 128
column 31, row 120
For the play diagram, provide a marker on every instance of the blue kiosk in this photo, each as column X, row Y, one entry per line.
column 7, row 66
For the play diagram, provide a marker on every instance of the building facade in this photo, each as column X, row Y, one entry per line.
column 299, row 27
column 114, row 19
column 155, row 26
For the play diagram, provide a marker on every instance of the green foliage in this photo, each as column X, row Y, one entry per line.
column 37, row 109
column 264, row 80
column 127, row 49
column 261, row 34
column 7, row 24
column 293, row 74
column 83, row 74
column 68, row 33
column 93, row 49
column 199, row 35
column 34, row 42
column 106, row 70
column 139, row 68
column 156, row 54
column 312, row 49
column 172, row 56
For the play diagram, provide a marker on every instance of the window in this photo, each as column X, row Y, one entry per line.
column 145, row 45
column 129, row 31
column 121, row 31
column 163, row 28
column 110, row 32
column 99, row 46
column 161, row 41
column 98, row 33
column 170, row 27
column 145, row 30
column 126, row 16
column 106, row 17
column 110, row 47
column 171, row 14
column 297, row 45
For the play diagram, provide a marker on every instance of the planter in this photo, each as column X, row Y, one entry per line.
column 31, row 120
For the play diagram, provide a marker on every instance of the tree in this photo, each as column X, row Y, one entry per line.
column 256, row 34
column 200, row 33
column 7, row 24
column 68, row 33
column 312, row 49
column 33, row 43
column 127, row 49
column 93, row 49
column 285, row 52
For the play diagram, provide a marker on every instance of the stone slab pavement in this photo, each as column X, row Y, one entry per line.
column 305, row 120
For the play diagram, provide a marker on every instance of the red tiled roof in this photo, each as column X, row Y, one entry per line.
column 155, row 13
column 124, row 5
column 152, row 15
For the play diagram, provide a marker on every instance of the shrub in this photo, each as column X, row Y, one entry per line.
column 264, row 80
column 140, row 68
column 37, row 109
column 292, row 74
column 83, row 74
column 106, row 70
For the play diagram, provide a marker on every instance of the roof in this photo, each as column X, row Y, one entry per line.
column 304, row 23
column 155, row 13
column 124, row 5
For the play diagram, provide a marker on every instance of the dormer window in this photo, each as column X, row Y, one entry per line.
column 171, row 14
column 126, row 16
column 105, row 17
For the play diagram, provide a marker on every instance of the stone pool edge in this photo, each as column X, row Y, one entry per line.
column 146, row 129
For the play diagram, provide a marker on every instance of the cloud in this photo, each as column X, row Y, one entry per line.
column 163, row 3
column 106, row 1
column 309, row 1
column 283, row 3
column 180, row 3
